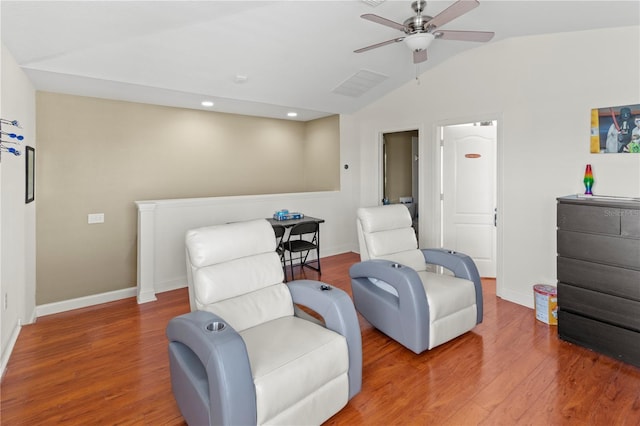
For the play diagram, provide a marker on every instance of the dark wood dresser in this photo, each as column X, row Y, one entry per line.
column 599, row 275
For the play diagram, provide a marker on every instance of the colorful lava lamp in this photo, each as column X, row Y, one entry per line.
column 588, row 180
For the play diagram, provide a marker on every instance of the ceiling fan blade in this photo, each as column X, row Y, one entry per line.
column 384, row 21
column 464, row 35
column 452, row 12
column 384, row 43
column 419, row 56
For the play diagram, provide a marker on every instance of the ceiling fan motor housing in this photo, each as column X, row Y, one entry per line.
column 419, row 22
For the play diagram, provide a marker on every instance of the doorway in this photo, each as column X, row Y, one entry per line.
column 469, row 192
column 400, row 171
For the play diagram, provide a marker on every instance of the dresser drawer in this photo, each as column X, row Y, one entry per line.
column 624, row 252
column 604, row 307
column 610, row 340
column 630, row 223
column 598, row 220
column 598, row 277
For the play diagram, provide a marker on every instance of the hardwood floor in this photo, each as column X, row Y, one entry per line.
column 108, row 365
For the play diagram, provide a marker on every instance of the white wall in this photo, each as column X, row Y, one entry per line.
column 541, row 89
column 17, row 219
column 161, row 259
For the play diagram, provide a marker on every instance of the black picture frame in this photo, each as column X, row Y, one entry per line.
column 30, row 173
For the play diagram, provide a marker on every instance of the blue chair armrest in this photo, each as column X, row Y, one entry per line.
column 403, row 278
column 337, row 310
column 405, row 318
column 462, row 266
column 223, row 355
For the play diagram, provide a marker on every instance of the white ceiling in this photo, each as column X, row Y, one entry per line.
column 293, row 53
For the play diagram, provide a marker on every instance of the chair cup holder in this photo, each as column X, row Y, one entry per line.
column 215, row 327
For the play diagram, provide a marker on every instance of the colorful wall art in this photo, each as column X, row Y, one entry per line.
column 615, row 130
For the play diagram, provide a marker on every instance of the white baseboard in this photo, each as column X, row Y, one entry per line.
column 174, row 284
column 519, row 298
column 83, row 302
column 9, row 348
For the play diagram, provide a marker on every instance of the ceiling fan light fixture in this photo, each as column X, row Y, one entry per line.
column 419, row 41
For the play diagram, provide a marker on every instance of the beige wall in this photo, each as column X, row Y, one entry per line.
column 99, row 156
column 322, row 166
column 398, row 164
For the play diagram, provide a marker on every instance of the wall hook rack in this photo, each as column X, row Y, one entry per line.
column 16, row 138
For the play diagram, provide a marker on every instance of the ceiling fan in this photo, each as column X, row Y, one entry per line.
column 420, row 30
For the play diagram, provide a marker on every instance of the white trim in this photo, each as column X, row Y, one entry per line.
column 519, row 298
column 146, row 250
column 83, row 302
column 240, row 199
column 8, row 350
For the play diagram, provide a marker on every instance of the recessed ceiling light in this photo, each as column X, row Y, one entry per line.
column 292, row 114
column 207, row 103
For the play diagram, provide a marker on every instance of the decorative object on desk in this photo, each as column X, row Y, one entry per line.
column 30, row 167
column 284, row 214
column 18, row 138
column 588, row 180
column 615, row 129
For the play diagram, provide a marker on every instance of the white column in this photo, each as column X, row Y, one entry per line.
column 146, row 252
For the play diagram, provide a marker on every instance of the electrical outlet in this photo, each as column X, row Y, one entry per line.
column 95, row 218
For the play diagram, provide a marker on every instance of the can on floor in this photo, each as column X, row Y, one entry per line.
column 546, row 303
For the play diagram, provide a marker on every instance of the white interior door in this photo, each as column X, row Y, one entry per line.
column 469, row 193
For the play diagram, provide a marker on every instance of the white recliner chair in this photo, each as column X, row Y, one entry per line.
column 242, row 356
column 394, row 290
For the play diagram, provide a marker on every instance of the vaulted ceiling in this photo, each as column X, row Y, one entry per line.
column 261, row 58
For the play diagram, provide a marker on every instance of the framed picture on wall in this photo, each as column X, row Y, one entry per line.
column 615, row 130
column 30, row 188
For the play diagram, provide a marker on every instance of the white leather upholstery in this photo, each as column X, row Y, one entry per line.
column 452, row 306
column 385, row 232
column 297, row 355
column 240, row 280
column 299, row 368
column 239, row 241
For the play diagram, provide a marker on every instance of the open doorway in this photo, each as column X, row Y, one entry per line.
column 469, row 192
column 400, row 171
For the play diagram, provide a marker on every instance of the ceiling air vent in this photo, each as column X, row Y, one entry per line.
column 373, row 3
column 359, row 83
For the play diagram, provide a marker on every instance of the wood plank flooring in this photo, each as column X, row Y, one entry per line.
column 108, row 365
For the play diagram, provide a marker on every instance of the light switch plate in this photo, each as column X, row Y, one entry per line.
column 96, row 218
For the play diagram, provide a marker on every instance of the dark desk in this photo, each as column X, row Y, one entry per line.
column 290, row 222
